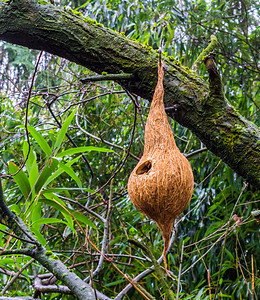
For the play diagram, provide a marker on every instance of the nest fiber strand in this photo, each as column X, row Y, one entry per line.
column 161, row 184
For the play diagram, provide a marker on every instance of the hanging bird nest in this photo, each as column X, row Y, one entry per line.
column 161, row 185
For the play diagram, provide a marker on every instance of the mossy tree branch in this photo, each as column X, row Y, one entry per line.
column 42, row 26
column 77, row 286
column 211, row 47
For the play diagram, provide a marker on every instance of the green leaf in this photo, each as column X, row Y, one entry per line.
column 114, row 283
column 83, row 149
column 60, row 171
column 57, row 190
column 71, row 173
column 39, row 236
column 60, row 205
column 36, row 214
column 229, row 254
column 40, row 140
column 15, row 208
column 200, row 293
column 46, row 174
column 31, row 166
column 5, row 262
column 63, row 132
column 82, row 218
column 57, row 203
column 20, row 179
column 48, row 221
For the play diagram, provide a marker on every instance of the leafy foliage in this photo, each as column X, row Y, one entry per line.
column 79, row 136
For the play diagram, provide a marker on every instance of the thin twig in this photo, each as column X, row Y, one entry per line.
column 17, row 275
column 122, row 163
column 105, row 77
column 75, row 145
column 250, row 202
column 105, row 235
column 210, row 295
column 140, row 112
column 179, row 276
column 253, row 278
column 12, row 273
column 26, row 118
column 102, row 140
column 195, row 152
column 209, row 174
column 17, row 237
column 83, row 207
column 226, row 233
column 92, row 98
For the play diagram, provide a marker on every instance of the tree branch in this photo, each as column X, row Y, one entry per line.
column 78, row 287
column 216, row 123
column 211, row 47
column 16, row 275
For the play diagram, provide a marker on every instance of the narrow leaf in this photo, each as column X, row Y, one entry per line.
column 57, row 190
column 48, row 221
column 57, row 203
column 71, row 173
column 63, row 131
column 46, row 174
column 82, row 218
column 40, row 140
column 83, row 149
column 20, row 179
column 59, row 171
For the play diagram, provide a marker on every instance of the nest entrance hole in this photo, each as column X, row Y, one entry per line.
column 144, row 167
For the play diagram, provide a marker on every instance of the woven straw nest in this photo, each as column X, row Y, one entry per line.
column 161, row 184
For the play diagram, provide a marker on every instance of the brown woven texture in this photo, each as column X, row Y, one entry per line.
column 161, row 185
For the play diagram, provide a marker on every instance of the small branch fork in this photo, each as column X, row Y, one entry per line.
column 215, row 82
column 211, row 47
column 16, row 276
column 216, row 89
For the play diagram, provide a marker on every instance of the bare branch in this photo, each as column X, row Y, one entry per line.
column 16, row 275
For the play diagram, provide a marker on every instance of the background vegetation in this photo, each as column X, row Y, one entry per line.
column 53, row 193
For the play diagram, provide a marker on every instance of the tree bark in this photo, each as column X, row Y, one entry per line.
column 196, row 105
